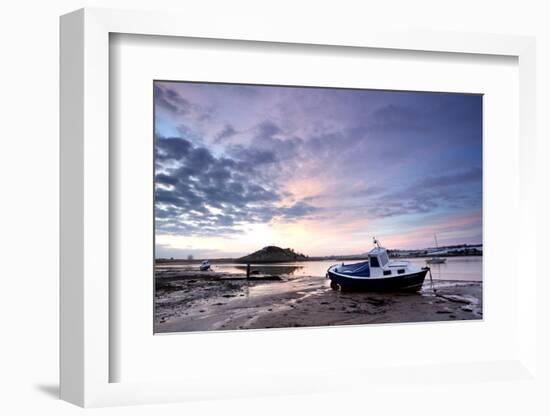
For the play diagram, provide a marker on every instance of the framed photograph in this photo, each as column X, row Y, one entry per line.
column 248, row 178
column 226, row 196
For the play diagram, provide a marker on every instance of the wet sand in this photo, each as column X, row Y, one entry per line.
column 207, row 301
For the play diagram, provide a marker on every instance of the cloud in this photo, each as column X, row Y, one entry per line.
column 460, row 178
column 397, row 117
column 227, row 132
column 299, row 209
column 198, row 193
column 170, row 100
column 429, row 194
column 267, row 129
column 168, row 251
column 173, row 148
column 252, row 155
column 270, row 153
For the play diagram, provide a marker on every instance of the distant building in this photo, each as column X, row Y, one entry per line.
column 190, row 257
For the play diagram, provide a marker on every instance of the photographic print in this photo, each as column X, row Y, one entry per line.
column 289, row 206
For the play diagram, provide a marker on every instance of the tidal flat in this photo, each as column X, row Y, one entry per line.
column 187, row 300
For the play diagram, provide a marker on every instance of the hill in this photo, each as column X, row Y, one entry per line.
column 272, row 254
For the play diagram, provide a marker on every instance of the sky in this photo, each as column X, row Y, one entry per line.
column 319, row 170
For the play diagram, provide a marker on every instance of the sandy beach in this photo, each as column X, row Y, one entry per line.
column 188, row 300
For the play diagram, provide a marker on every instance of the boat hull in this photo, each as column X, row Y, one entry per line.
column 436, row 261
column 402, row 283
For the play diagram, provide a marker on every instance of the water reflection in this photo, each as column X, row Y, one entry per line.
column 468, row 268
column 456, row 268
column 268, row 269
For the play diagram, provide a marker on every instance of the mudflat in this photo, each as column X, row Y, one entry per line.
column 208, row 301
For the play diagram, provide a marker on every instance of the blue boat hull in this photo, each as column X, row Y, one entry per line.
column 401, row 283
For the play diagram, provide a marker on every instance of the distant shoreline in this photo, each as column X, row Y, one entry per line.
column 337, row 258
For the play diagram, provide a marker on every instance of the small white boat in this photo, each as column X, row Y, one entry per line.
column 378, row 273
column 436, row 260
column 205, row 265
column 435, row 255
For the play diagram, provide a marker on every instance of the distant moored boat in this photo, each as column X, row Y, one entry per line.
column 378, row 273
column 205, row 265
column 435, row 259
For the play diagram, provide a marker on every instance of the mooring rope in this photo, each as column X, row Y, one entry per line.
column 432, row 281
column 443, row 296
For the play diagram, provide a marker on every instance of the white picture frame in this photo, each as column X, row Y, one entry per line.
column 85, row 211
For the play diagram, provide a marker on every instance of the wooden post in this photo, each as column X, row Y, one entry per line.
column 248, row 270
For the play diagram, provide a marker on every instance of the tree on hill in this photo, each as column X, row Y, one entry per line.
column 272, row 254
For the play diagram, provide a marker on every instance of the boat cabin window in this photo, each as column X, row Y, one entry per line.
column 374, row 261
column 384, row 258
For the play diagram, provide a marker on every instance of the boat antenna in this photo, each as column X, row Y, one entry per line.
column 375, row 241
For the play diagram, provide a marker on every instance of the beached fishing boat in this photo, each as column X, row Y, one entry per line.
column 378, row 273
column 205, row 265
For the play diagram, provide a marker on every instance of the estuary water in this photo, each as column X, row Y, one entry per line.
column 467, row 268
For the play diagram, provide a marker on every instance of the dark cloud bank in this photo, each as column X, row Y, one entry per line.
column 199, row 193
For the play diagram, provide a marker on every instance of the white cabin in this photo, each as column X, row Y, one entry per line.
column 382, row 266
